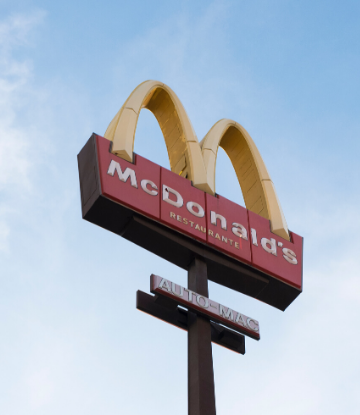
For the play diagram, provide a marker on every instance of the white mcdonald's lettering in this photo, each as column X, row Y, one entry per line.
column 239, row 230
column 214, row 216
column 166, row 196
column 254, row 237
column 145, row 183
column 290, row 256
column 200, row 213
column 269, row 245
column 115, row 166
column 174, row 198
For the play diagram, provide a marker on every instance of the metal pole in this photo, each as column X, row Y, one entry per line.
column 201, row 387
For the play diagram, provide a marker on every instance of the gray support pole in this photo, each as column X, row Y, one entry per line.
column 201, row 387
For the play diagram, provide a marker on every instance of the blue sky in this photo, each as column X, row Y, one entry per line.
column 71, row 339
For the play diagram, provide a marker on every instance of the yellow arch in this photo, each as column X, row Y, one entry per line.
column 181, row 141
column 197, row 162
column 256, row 185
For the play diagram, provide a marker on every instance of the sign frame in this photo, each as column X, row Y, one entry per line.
column 168, row 243
column 210, row 308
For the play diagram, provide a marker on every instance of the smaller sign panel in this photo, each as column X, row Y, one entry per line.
column 215, row 311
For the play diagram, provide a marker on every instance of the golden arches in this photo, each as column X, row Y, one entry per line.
column 181, row 141
column 197, row 162
column 255, row 182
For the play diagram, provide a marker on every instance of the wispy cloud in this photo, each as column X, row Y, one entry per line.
column 15, row 92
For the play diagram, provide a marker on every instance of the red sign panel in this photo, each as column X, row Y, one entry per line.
column 217, row 312
column 214, row 221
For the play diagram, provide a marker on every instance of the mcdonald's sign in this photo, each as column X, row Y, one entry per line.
column 177, row 214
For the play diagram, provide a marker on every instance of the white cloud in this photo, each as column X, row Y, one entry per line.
column 34, row 119
column 15, row 76
column 17, row 138
column 16, row 29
